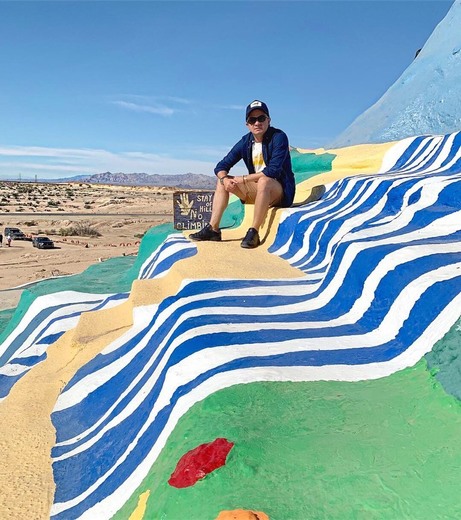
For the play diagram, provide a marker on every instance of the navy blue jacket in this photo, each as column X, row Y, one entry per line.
column 276, row 155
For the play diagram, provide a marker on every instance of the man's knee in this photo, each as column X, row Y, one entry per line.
column 272, row 189
column 267, row 184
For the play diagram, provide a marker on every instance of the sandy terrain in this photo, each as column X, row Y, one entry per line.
column 119, row 214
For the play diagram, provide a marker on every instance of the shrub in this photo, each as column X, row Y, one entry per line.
column 81, row 229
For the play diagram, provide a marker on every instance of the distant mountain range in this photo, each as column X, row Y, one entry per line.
column 187, row 181
column 192, row 181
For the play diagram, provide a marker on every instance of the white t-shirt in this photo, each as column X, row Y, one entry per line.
column 257, row 156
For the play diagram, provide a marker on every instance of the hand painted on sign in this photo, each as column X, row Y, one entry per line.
column 185, row 205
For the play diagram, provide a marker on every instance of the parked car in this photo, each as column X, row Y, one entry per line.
column 37, row 238
column 9, row 230
column 42, row 243
column 15, row 233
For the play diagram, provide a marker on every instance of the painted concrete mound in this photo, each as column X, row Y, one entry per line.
column 309, row 378
column 424, row 100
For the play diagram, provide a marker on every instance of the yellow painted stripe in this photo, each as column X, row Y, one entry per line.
column 138, row 513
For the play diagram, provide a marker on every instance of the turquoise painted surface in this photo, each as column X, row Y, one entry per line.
column 5, row 317
column 307, row 165
column 233, row 216
column 15, row 315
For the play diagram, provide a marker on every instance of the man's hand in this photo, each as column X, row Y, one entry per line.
column 238, row 181
column 228, row 183
column 234, row 184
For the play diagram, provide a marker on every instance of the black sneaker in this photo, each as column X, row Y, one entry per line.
column 207, row 233
column 251, row 239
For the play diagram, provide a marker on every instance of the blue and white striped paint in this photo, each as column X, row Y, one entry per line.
column 46, row 320
column 50, row 316
column 174, row 248
column 382, row 262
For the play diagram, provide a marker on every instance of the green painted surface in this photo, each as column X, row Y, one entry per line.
column 445, row 361
column 307, row 165
column 383, row 449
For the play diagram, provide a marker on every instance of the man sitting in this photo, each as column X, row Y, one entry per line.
column 270, row 180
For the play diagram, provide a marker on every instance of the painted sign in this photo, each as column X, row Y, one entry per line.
column 191, row 209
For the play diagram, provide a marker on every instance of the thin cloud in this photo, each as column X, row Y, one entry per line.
column 159, row 105
column 168, row 105
column 182, row 101
column 161, row 110
column 155, row 99
column 232, row 107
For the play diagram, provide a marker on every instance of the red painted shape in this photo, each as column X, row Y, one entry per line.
column 197, row 463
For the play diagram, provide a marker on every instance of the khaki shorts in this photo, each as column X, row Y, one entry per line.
column 249, row 190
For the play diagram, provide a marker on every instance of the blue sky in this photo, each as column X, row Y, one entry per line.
column 160, row 87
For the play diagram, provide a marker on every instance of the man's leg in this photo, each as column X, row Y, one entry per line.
column 264, row 193
column 269, row 192
column 211, row 231
column 220, row 202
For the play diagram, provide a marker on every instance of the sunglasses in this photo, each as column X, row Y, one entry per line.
column 260, row 119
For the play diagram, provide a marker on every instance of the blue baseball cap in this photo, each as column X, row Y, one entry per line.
column 257, row 105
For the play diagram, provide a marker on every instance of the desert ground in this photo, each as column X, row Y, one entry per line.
column 109, row 221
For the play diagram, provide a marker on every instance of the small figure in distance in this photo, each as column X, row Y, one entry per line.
column 8, row 241
column 270, row 181
column 1, row 240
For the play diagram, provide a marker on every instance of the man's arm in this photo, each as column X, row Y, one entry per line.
column 231, row 159
column 251, row 177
